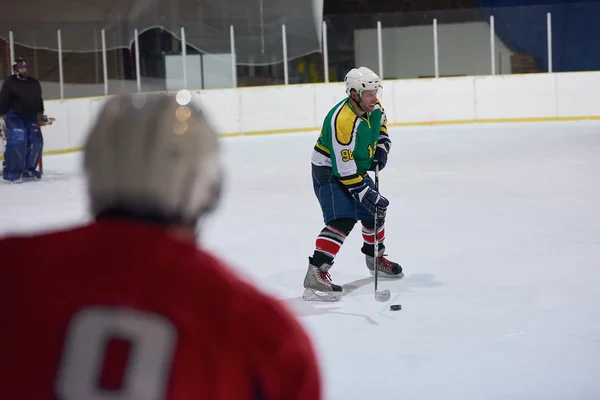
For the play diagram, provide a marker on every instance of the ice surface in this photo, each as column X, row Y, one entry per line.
column 496, row 226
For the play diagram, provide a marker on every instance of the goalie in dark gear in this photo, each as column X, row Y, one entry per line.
column 21, row 104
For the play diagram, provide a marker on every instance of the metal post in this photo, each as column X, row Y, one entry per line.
column 96, row 67
column 60, row 65
column 380, row 49
column 137, row 61
column 549, row 23
column 285, row 60
column 104, row 63
column 436, row 60
column 233, row 57
column 202, row 84
column 35, row 59
column 493, row 44
column 325, row 53
column 183, row 57
column 262, row 28
column 11, row 40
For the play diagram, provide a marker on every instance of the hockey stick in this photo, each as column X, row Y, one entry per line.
column 44, row 122
column 383, row 295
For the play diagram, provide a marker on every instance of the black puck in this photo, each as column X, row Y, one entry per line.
column 396, row 307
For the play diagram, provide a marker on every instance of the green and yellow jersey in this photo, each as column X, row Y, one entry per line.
column 348, row 141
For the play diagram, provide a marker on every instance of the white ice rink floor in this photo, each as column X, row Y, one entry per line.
column 496, row 226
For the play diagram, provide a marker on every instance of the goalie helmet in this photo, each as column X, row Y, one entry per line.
column 361, row 79
column 17, row 65
column 154, row 156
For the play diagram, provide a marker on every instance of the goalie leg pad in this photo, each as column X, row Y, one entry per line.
column 16, row 146
column 35, row 145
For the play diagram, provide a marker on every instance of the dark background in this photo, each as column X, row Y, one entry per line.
column 520, row 24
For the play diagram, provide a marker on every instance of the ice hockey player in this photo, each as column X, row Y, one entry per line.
column 21, row 111
column 128, row 306
column 354, row 138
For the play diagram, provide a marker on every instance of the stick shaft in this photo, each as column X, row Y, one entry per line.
column 376, row 239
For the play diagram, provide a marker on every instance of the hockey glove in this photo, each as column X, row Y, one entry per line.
column 2, row 127
column 369, row 198
column 381, row 153
column 43, row 120
column 381, row 214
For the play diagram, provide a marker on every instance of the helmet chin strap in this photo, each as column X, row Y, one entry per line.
column 358, row 102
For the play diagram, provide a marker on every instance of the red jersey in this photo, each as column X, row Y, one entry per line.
column 121, row 310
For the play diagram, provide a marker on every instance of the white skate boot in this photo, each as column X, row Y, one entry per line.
column 318, row 285
column 385, row 267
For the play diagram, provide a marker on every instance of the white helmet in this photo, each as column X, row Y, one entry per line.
column 154, row 156
column 361, row 79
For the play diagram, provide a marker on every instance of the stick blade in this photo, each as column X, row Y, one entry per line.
column 382, row 295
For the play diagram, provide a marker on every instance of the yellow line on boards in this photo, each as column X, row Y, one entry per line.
column 397, row 124
column 496, row 120
column 426, row 123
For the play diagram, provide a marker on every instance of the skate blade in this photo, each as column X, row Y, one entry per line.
column 316, row 295
column 384, row 275
column 15, row 182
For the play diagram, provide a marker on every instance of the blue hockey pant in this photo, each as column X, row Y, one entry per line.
column 335, row 200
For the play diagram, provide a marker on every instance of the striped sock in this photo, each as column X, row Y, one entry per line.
column 369, row 235
column 330, row 241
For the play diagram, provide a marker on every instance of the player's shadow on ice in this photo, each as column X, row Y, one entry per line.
column 396, row 286
column 303, row 308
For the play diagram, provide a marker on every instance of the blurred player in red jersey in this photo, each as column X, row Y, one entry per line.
column 127, row 307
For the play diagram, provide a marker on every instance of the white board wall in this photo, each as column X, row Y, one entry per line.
column 259, row 110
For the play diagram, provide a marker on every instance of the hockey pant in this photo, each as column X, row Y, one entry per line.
column 24, row 145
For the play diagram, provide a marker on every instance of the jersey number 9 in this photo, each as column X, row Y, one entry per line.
column 147, row 369
column 347, row 155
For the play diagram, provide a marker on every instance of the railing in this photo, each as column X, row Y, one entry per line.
column 396, row 45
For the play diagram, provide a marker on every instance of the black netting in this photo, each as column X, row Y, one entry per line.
column 257, row 25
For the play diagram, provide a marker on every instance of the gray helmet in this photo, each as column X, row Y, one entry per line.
column 153, row 155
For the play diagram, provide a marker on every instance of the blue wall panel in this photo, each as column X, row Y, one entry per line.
column 575, row 31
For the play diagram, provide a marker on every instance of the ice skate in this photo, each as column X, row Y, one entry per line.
column 318, row 285
column 385, row 267
column 13, row 181
column 31, row 175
